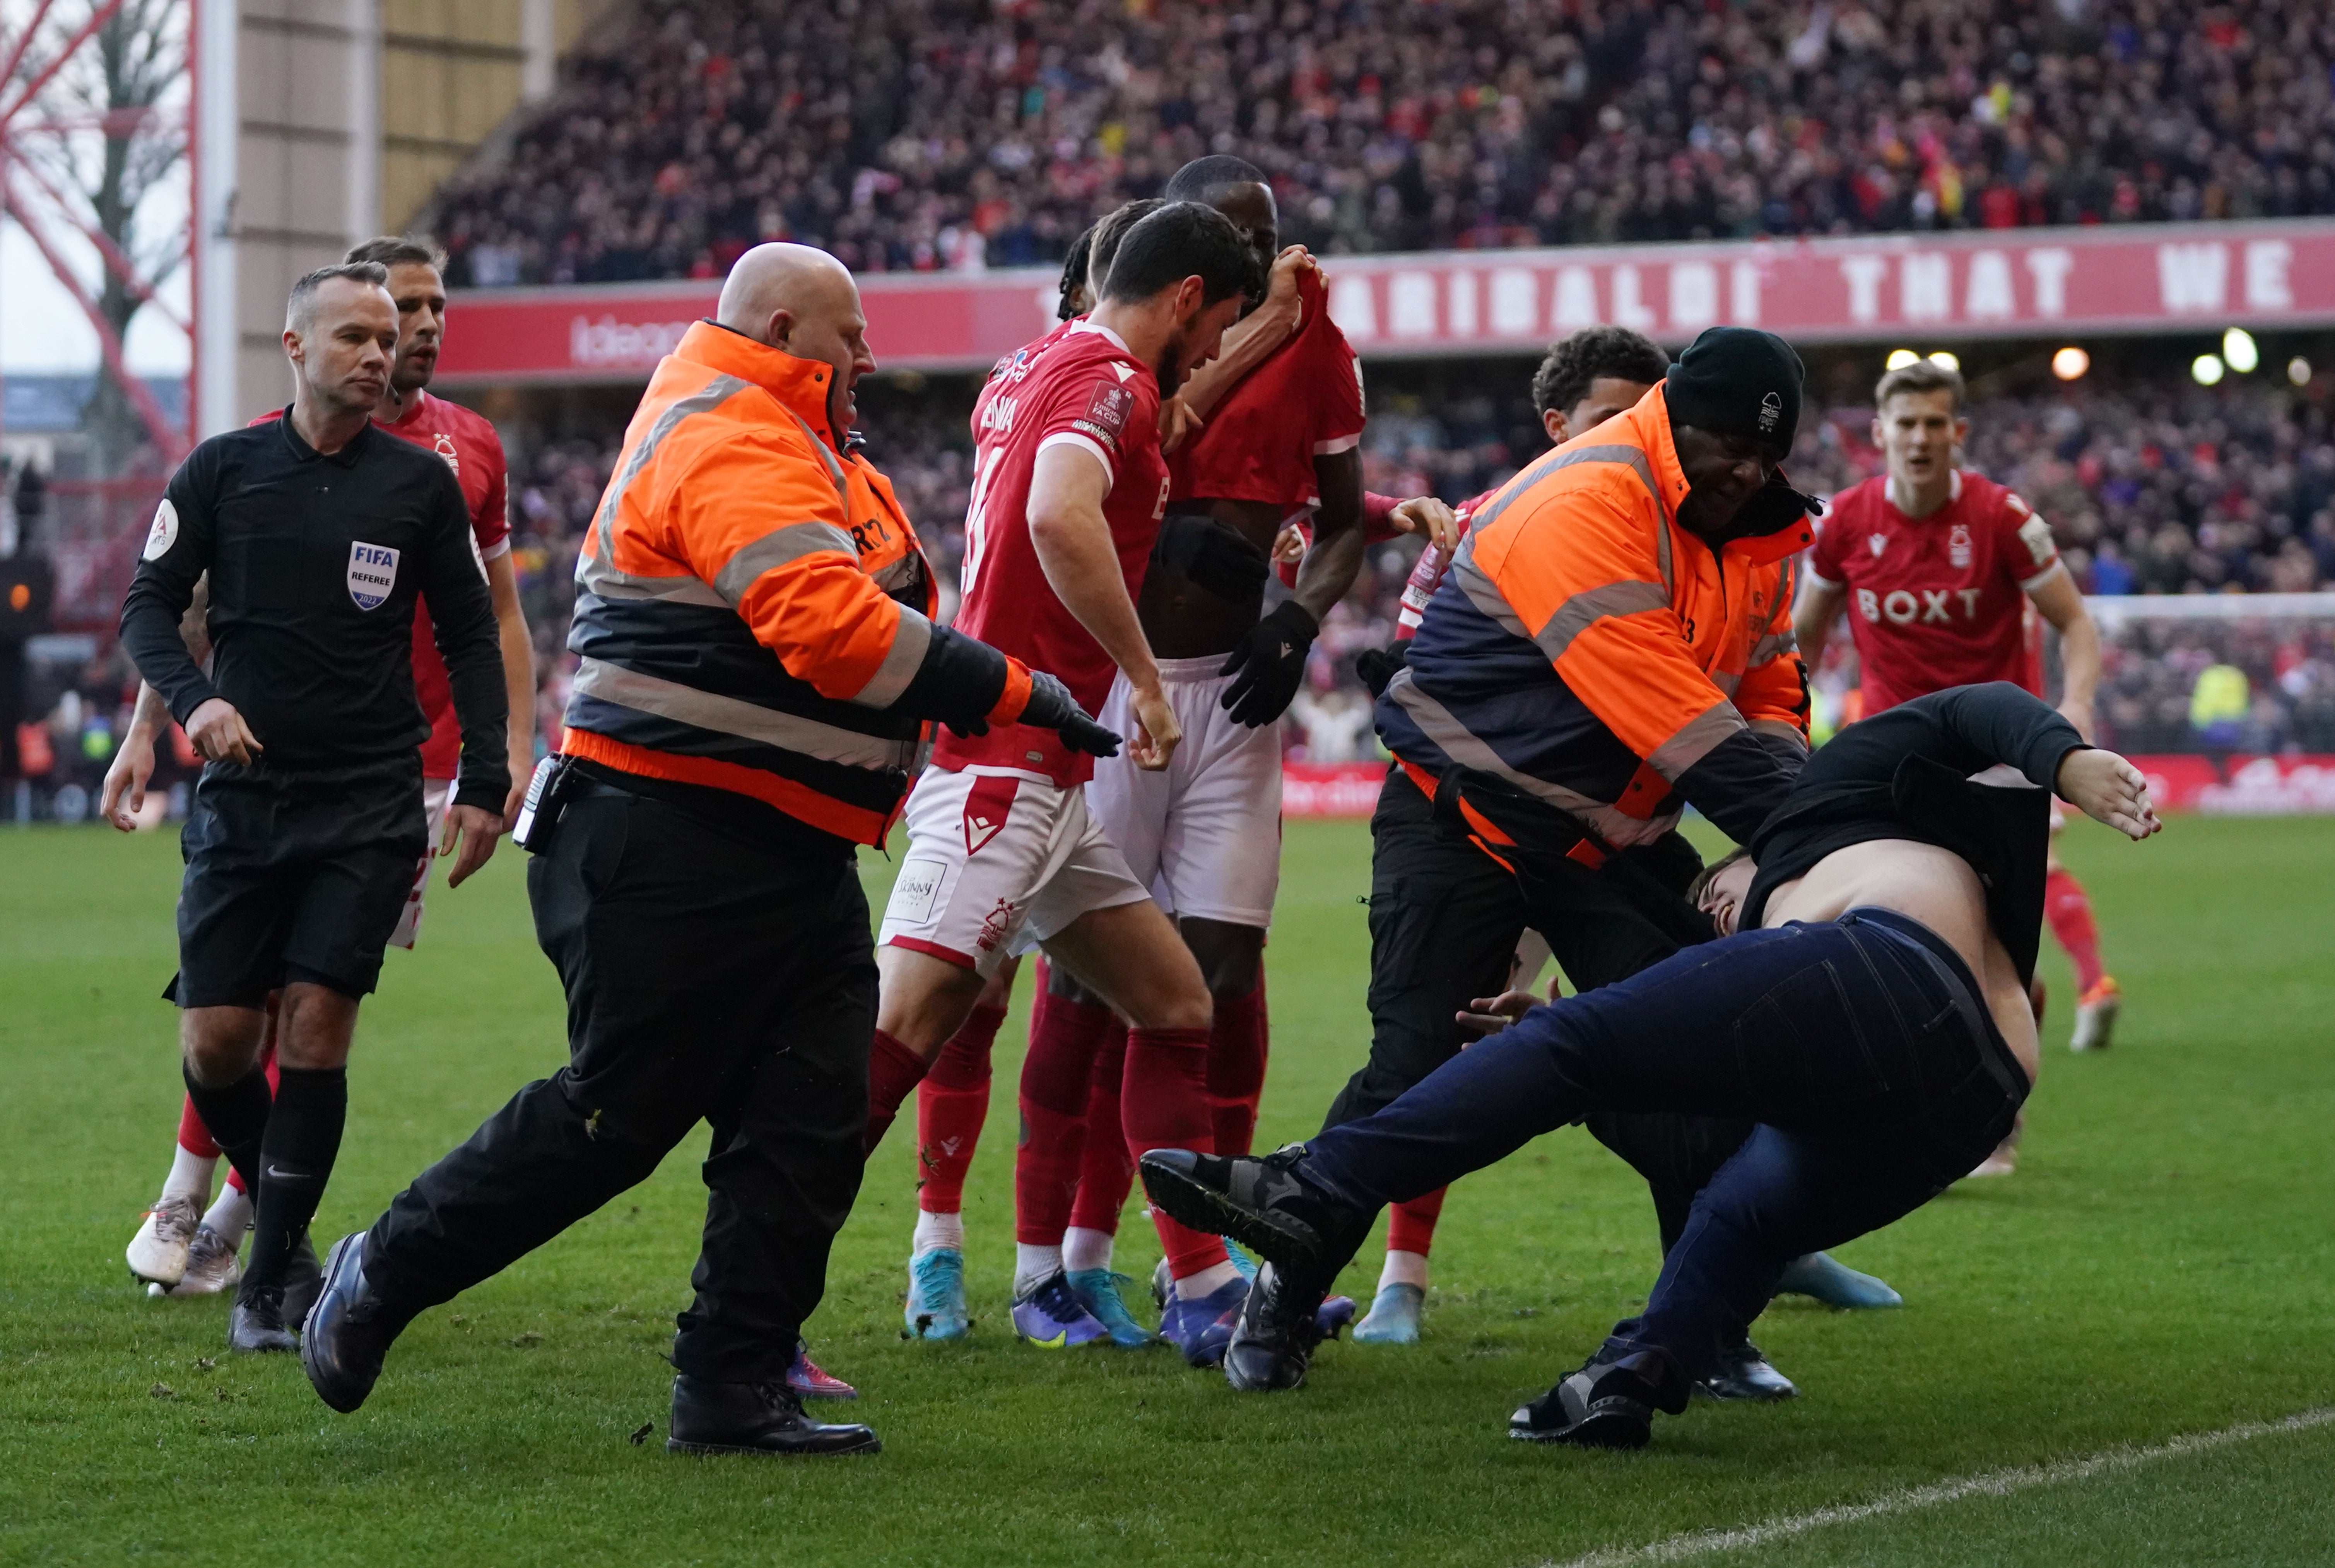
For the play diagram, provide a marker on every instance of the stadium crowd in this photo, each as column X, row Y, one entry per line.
column 932, row 134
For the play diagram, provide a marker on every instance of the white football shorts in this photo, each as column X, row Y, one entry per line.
column 998, row 862
column 1204, row 834
column 437, row 794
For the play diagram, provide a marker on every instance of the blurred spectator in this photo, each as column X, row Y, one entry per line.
column 930, row 134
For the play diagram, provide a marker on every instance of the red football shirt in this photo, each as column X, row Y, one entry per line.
column 468, row 442
column 1080, row 389
column 1304, row 401
column 1937, row 601
column 1427, row 572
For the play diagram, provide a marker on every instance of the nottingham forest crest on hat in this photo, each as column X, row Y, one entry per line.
column 1738, row 381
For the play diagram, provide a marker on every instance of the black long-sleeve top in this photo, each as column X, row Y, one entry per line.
column 315, row 562
column 1905, row 773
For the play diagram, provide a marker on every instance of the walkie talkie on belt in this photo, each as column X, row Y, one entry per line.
column 547, row 793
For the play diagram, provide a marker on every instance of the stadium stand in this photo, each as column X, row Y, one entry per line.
column 930, row 134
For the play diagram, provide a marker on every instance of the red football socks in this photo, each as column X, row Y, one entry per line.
column 193, row 1136
column 2070, row 915
column 1410, row 1228
column 1063, row 1038
column 1164, row 1104
column 1107, row 1175
column 1236, row 1043
column 893, row 1073
column 951, row 1103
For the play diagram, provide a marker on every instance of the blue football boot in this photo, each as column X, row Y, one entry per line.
column 1052, row 1318
column 1393, row 1317
column 1098, row 1292
column 1202, row 1327
column 935, row 1309
column 1836, row 1284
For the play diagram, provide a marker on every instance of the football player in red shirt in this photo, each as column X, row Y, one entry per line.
column 1937, row 567
column 174, row 1251
column 1069, row 489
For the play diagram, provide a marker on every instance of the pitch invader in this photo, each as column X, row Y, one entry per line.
column 181, row 1249
column 1936, row 567
column 1004, row 856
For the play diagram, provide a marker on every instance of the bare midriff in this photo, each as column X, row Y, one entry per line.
column 1181, row 619
column 1934, row 887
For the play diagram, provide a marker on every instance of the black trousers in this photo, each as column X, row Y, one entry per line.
column 712, row 976
column 1444, row 924
column 1860, row 1048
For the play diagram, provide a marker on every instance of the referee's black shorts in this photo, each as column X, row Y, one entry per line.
column 295, row 876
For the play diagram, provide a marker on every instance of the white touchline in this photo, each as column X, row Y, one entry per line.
column 1993, row 1483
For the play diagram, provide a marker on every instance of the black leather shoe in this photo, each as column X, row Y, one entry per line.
column 349, row 1331
column 304, row 1278
column 1261, row 1204
column 255, row 1324
column 1274, row 1343
column 1743, row 1374
column 1606, row 1404
column 711, row 1417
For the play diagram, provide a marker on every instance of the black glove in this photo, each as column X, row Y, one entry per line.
column 1269, row 664
column 1211, row 553
column 1052, row 707
column 1378, row 667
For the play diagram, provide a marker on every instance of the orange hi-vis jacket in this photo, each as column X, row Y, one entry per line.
column 753, row 608
column 1588, row 650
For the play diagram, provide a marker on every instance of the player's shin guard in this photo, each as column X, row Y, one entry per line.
column 2069, row 911
column 1063, row 1038
column 296, row 1158
column 893, row 1073
column 1165, row 1105
column 1410, row 1226
column 235, row 1115
column 1106, row 1174
column 1237, row 1043
column 951, row 1104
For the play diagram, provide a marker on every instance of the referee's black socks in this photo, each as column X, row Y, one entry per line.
column 295, row 1160
column 235, row 1115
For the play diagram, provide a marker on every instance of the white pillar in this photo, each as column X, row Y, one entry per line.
column 217, row 24
column 363, row 220
column 536, row 37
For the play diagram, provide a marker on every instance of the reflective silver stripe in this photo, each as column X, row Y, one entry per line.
column 1591, row 605
column 900, row 665
column 789, row 542
column 834, row 468
column 1695, row 740
column 704, row 400
column 1772, row 646
column 1662, row 554
column 1481, row 591
column 1465, row 746
column 1633, row 457
column 665, row 698
column 901, row 572
column 1727, row 683
column 594, row 575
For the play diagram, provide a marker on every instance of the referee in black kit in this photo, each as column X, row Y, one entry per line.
column 319, row 533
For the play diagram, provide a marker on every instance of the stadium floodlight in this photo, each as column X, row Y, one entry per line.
column 2206, row 368
column 1945, row 360
column 2238, row 348
column 2070, row 363
column 1899, row 358
column 2298, row 371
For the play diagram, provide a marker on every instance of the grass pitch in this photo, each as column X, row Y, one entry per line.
column 2160, row 1266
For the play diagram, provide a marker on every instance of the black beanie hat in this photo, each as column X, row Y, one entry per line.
column 1738, row 381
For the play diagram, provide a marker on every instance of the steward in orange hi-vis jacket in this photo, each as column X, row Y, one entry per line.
column 760, row 660
column 753, row 607
column 1612, row 643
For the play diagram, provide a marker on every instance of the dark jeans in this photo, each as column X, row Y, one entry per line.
column 712, row 976
column 1861, row 1049
column 1444, row 923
